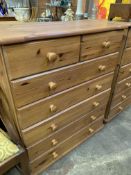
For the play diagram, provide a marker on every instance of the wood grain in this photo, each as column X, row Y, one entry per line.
column 91, row 49
column 121, row 86
column 129, row 39
column 120, row 97
column 44, row 161
column 126, row 57
column 33, row 88
column 16, row 32
column 119, row 108
column 47, row 144
column 32, row 58
column 7, row 108
column 40, row 110
column 125, row 72
column 43, row 129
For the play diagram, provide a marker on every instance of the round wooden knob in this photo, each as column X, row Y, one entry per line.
column 54, row 142
column 128, row 84
column 96, row 104
column 102, row 68
column 55, row 155
column 91, row 130
column 93, row 118
column 53, row 127
column 106, row 44
column 121, row 108
column 52, row 85
column 98, row 87
column 124, row 97
column 53, row 108
column 130, row 70
column 51, row 56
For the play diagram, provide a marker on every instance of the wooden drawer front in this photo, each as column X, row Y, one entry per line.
column 120, row 97
column 45, row 160
column 96, row 45
column 123, row 85
column 129, row 39
column 46, row 128
column 117, row 109
column 63, row 134
column 27, row 59
column 125, row 72
column 126, row 57
column 38, row 111
column 33, row 88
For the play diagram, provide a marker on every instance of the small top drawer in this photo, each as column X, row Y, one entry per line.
column 95, row 45
column 31, row 58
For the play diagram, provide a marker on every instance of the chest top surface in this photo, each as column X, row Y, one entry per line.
column 16, row 32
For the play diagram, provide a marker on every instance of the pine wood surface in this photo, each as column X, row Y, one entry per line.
column 49, row 103
column 17, row 32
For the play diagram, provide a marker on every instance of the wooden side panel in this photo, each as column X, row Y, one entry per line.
column 7, row 109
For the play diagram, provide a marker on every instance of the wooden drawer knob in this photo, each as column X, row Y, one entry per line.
column 54, row 127
column 102, row 68
column 91, row 130
column 55, row 155
column 96, row 104
column 52, row 85
column 53, row 108
column 121, row 108
column 130, row 70
column 93, row 118
column 128, row 84
column 98, row 87
column 51, row 56
column 54, row 142
column 124, row 97
column 106, row 44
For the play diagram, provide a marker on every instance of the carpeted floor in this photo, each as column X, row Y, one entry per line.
column 107, row 153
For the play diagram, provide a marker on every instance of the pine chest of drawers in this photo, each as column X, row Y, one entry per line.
column 56, row 83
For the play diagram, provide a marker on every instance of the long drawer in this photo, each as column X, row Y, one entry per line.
column 120, row 97
column 43, row 129
column 126, row 57
column 95, row 45
column 55, row 139
column 125, row 72
column 119, row 108
column 36, row 57
column 123, row 85
column 45, row 160
column 33, row 88
column 46, row 108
